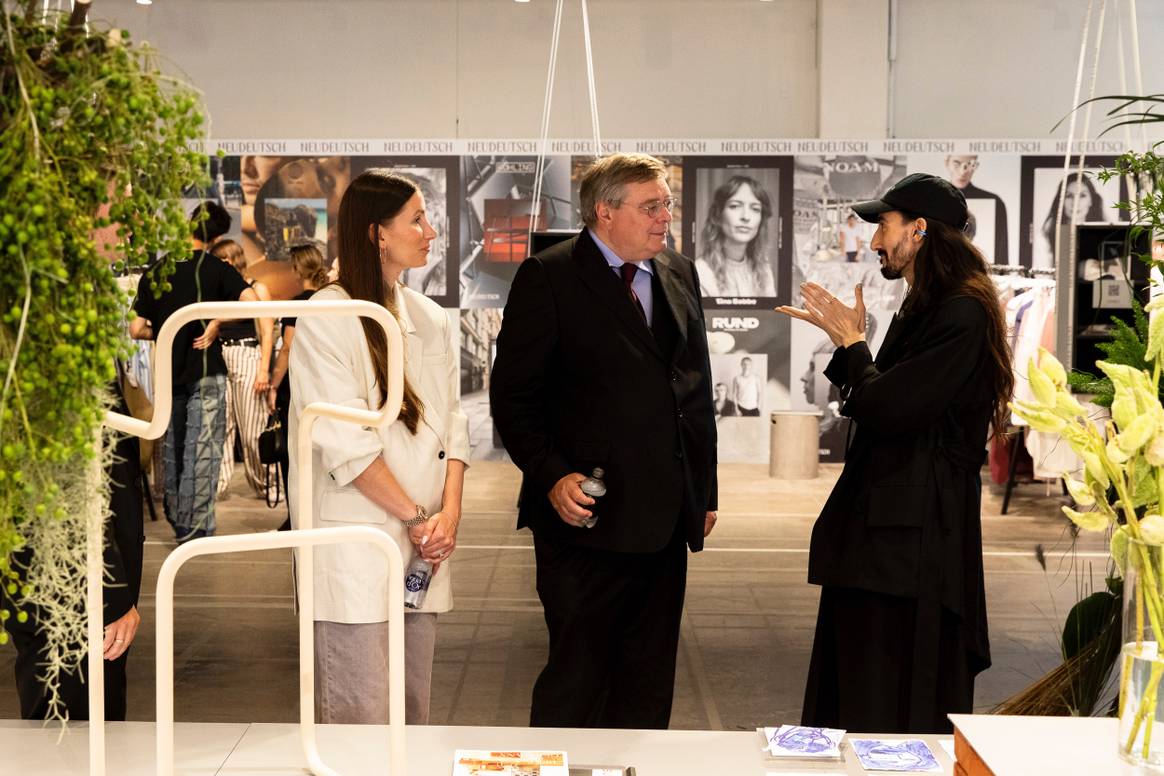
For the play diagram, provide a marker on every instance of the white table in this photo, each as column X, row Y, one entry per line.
column 1027, row 746
column 40, row 749
column 205, row 749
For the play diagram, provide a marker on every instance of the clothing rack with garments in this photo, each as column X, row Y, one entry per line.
column 1028, row 298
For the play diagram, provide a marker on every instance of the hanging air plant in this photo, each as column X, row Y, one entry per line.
column 93, row 138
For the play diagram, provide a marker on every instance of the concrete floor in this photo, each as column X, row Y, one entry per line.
column 746, row 634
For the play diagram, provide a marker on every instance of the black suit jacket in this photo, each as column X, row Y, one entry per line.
column 581, row 381
column 905, row 515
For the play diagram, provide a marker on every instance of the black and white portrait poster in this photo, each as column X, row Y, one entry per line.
column 736, row 228
column 749, row 375
column 990, row 183
column 436, row 179
column 1085, row 200
column 478, row 337
column 496, row 216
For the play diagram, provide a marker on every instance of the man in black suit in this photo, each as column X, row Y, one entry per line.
column 602, row 362
column 897, row 550
column 124, row 540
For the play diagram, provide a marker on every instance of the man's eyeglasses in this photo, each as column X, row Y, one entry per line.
column 654, row 208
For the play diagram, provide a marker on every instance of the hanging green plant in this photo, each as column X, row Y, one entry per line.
column 93, row 137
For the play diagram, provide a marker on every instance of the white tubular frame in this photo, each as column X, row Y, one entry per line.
column 156, row 427
column 306, row 540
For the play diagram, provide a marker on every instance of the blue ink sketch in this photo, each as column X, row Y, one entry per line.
column 905, row 755
column 806, row 740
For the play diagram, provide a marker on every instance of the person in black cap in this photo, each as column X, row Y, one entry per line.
column 897, row 550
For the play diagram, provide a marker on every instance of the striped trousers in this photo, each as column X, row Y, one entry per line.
column 246, row 412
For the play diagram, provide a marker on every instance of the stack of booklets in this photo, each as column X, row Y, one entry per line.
column 795, row 747
column 472, row 762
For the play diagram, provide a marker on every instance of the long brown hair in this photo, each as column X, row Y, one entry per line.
column 374, row 197
column 307, row 261
column 712, row 236
column 947, row 264
column 232, row 253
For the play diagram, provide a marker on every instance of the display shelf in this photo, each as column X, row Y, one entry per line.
column 1105, row 255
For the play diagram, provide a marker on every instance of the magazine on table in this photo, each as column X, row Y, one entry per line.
column 483, row 762
column 899, row 754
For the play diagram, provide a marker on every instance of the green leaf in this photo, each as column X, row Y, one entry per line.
column 1086, row 620
column 1155, row 338
column 1088, row 521
column 1144, row 490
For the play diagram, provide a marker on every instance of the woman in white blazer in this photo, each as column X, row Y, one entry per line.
column 405, row 479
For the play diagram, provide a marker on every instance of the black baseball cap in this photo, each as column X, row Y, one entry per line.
column 919, row 194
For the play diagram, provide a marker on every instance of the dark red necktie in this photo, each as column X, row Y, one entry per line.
column 628, row 271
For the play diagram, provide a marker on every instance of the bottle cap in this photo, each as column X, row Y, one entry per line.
column 597, row 473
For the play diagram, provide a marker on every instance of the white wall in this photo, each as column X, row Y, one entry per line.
column 854, row 68
column 665, row 68
column 1006, row 68
column 477, row 68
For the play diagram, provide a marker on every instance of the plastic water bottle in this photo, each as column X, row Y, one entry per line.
column 416, row 581
column 594, row 487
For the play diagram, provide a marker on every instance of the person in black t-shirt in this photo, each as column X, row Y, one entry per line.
column 193, row 446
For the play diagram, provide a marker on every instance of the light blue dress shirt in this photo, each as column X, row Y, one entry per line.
column 642, row 280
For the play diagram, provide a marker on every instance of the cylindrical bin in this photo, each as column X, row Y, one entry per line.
column 795, row 445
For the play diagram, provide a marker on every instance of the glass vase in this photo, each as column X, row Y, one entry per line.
column 1141, row 717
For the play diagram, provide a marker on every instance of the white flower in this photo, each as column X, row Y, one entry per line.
column 1152, row 529
column 1137, row 434
column 1042, row 385
column 1052, row 368
column 1079, row 491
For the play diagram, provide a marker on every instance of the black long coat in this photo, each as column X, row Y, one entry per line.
column 581, row 381
column 904, row 518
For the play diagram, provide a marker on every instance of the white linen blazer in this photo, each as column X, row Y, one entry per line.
column 330, row 362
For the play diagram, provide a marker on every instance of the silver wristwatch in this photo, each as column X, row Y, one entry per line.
column 421, row 517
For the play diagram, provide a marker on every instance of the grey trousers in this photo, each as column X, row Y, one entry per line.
column 351, row 671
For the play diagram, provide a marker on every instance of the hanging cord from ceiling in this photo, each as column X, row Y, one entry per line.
column 1058, row 255
column 547, row 104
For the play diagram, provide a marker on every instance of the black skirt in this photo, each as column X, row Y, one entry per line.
column 887, row 664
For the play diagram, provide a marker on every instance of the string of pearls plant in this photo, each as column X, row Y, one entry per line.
column 93, row 138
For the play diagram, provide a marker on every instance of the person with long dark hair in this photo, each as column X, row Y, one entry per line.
column 405, row 479
column 733, row 246
column 1081, row 203
column 897, row 550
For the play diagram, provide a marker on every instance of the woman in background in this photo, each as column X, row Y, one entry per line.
column 309, row 266
column 733, row 258
column 246, row 348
